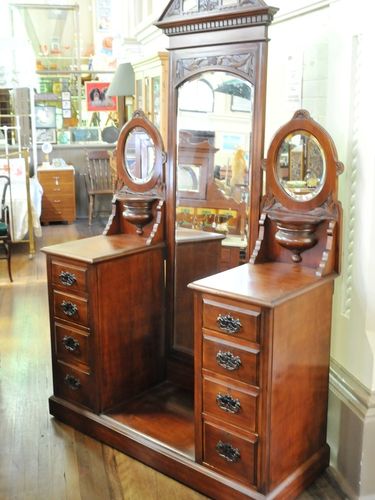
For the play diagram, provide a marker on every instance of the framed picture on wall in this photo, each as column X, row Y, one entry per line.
column 97, row 98
column 45, row 117
column 45, row 135
column 85, row 134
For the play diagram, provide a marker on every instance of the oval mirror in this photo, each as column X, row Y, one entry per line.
column 139, row 155
column 301, row 166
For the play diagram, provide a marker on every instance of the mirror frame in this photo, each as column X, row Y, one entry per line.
column 139, row 120
column 302, row 122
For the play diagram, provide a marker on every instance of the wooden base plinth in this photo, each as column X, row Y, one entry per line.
column 115, row 430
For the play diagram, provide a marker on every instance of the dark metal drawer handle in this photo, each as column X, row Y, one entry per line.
column 67, row 278
column 69, row 308
column 228, row 360
column 72, row 382
column 228, row 452
column 70, row 343
column 228, row 324
column 227, row 403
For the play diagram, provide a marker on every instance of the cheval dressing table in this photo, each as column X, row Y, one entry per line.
column 230, row 397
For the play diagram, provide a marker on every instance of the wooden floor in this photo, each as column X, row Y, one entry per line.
column 41, row 458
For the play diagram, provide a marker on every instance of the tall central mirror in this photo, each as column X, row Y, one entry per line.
column 217, row 92
column 214, row 135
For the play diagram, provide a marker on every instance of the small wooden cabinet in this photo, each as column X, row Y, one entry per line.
column 58, row 202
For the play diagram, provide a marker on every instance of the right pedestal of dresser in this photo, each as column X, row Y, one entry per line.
column 262, row 358
column 262, row 330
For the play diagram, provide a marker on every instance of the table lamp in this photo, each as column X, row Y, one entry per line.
column 122, row 86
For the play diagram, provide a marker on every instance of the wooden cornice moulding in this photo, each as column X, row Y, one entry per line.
column 209, row 16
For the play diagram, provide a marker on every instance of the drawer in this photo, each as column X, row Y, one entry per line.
column 58, row 214
column 235, row 404
column 56, row 178
column 69, row 276
column 235, row 320
column 70, row 308
column 72, row 345
column 51, row 186
column 75, row 385
column 58, row 200
column 230, row 453
column 239, row 363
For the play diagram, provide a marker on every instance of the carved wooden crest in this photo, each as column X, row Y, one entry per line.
column 206, row 15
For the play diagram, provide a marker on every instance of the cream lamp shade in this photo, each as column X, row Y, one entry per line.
column 122, row 84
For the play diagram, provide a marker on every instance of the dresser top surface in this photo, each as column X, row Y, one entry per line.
column 99, row 248
column 265, row 284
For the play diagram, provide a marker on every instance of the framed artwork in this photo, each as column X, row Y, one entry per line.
column 45, row 117
column 45, row 135
column 97, row 98
column 87, row 134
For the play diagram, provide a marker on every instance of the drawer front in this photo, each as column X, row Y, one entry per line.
column 58, row 215
column 75, row 385
column 72, row 345
column 55, row 186
column 230, row 402
column 70, row 308
column 230, row 453
column 57, row 201
column 238, row 322
column 234, row 362
column 73, row 278
column 58, row 179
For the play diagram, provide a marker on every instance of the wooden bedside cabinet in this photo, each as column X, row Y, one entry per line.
column 58, row 202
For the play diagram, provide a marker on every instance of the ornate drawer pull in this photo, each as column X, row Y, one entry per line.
column 228, row 360
column 228, row 324
column 67, row 278
column 227, row 403
column 69, row 308
column 228, row 452
column 72, row 382
column 70, row 343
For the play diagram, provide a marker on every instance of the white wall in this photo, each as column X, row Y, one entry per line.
column 326, row 50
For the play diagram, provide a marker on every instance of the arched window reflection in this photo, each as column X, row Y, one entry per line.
column 203, row 93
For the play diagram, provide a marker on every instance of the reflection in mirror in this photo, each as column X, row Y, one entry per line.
column 139, row 155
column 214, row 126
column 301, row 166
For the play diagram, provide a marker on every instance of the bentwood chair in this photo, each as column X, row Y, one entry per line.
column 5, row 238
column 98, row 177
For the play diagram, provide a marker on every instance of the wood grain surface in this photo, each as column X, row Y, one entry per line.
column 41, row 458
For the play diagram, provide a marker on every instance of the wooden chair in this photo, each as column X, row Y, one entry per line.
column 5, row 238
column 99, row 177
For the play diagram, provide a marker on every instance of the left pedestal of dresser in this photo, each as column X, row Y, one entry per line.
column 106, row 330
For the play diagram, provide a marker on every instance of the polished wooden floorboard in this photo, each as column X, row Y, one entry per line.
column 41, row 458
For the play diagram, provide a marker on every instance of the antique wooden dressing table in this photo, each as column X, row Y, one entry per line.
column 238, row 408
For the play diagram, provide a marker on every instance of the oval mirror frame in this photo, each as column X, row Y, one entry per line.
column 139, row 120
column 303, row 123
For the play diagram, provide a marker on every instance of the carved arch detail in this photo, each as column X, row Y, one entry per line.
column 242, row 63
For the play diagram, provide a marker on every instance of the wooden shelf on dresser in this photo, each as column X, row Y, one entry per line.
column 58, row 202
